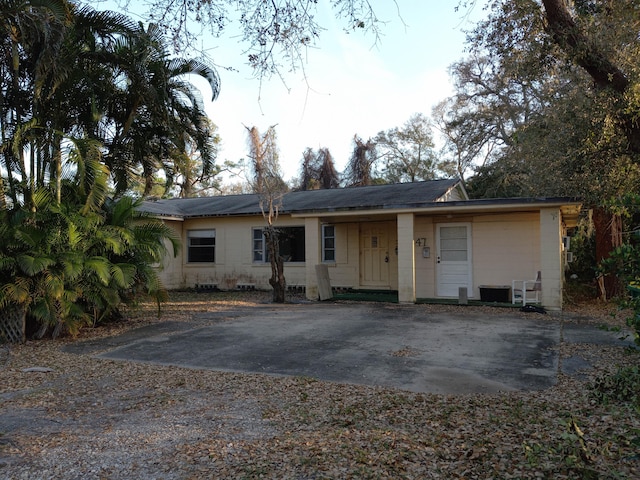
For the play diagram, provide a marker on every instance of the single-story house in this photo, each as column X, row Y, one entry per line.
column 423, row 240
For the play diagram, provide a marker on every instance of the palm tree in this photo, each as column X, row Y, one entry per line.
column 79, row 88
column 83, row 73
column 52, row 64
column 157, row 111
column 31, row 32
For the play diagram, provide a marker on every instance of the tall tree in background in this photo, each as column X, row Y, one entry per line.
column 407, row 152
column 586, row 36
column 194, row 175
column 308, row 179
column 318, row 170
column 562, row 75
column 466, row 143
column 602, row 38
column 328, row 176
column 160, row 113
column 360, row 170
column 270, row 187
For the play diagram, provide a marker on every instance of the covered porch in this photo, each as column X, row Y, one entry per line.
column 432, row 252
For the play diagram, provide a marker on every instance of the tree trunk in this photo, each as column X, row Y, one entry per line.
column 608, row 231
column 57, row 158
column 41, row 331
column 277, row 280
column 58, row 329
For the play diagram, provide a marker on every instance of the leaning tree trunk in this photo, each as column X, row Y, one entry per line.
column 277, row 280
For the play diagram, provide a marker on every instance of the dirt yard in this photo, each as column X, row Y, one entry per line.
column 68, row 416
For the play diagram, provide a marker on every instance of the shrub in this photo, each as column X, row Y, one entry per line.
column 622, row 386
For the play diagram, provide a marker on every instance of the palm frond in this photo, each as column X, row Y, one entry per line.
column 31, row 265
column 196, row 67
column 100, row 267
column 123, row 274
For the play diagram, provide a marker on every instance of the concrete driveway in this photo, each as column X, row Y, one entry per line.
column 401, row 346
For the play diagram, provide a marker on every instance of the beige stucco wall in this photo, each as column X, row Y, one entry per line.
column 455, row 194
column 344, row 272
column 551, row 261
column 424, row 237
column 234, row 262
column 406, row 259
column 170, row 271
column 504, row 247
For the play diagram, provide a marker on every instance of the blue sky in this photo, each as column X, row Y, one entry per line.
column 352, row 86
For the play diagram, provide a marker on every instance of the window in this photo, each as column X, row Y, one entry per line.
column 291, row 241
column 328, row 243
column 453, row 244
column 201, row 246
column 259, row 253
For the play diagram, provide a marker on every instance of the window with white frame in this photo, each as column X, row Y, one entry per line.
column 201, row 246
column 328, row 243
column 290, row 239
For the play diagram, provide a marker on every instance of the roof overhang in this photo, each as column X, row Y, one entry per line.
column 168, row 218
column 570, row 209
column 571, row 214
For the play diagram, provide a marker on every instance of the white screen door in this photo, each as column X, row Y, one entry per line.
column 454, row 259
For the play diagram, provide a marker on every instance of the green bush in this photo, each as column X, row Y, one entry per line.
column 621, row 387
column 624, row 260
column 70, row 266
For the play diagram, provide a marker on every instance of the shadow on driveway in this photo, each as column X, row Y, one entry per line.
column 401, row 346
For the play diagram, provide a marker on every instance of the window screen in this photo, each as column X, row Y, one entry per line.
column 201, row 246
column 453, row 244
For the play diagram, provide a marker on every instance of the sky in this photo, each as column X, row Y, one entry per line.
column 351, row 84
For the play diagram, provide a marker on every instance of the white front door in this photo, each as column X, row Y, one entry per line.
column 453, row 243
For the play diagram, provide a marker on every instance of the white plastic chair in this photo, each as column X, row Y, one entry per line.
column 526, row 291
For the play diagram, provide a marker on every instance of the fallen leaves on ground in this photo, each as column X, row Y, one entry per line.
column 93, row 418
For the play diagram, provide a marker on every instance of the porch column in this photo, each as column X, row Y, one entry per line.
column 551, row 257
column 406, row 259
column 311, row 256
